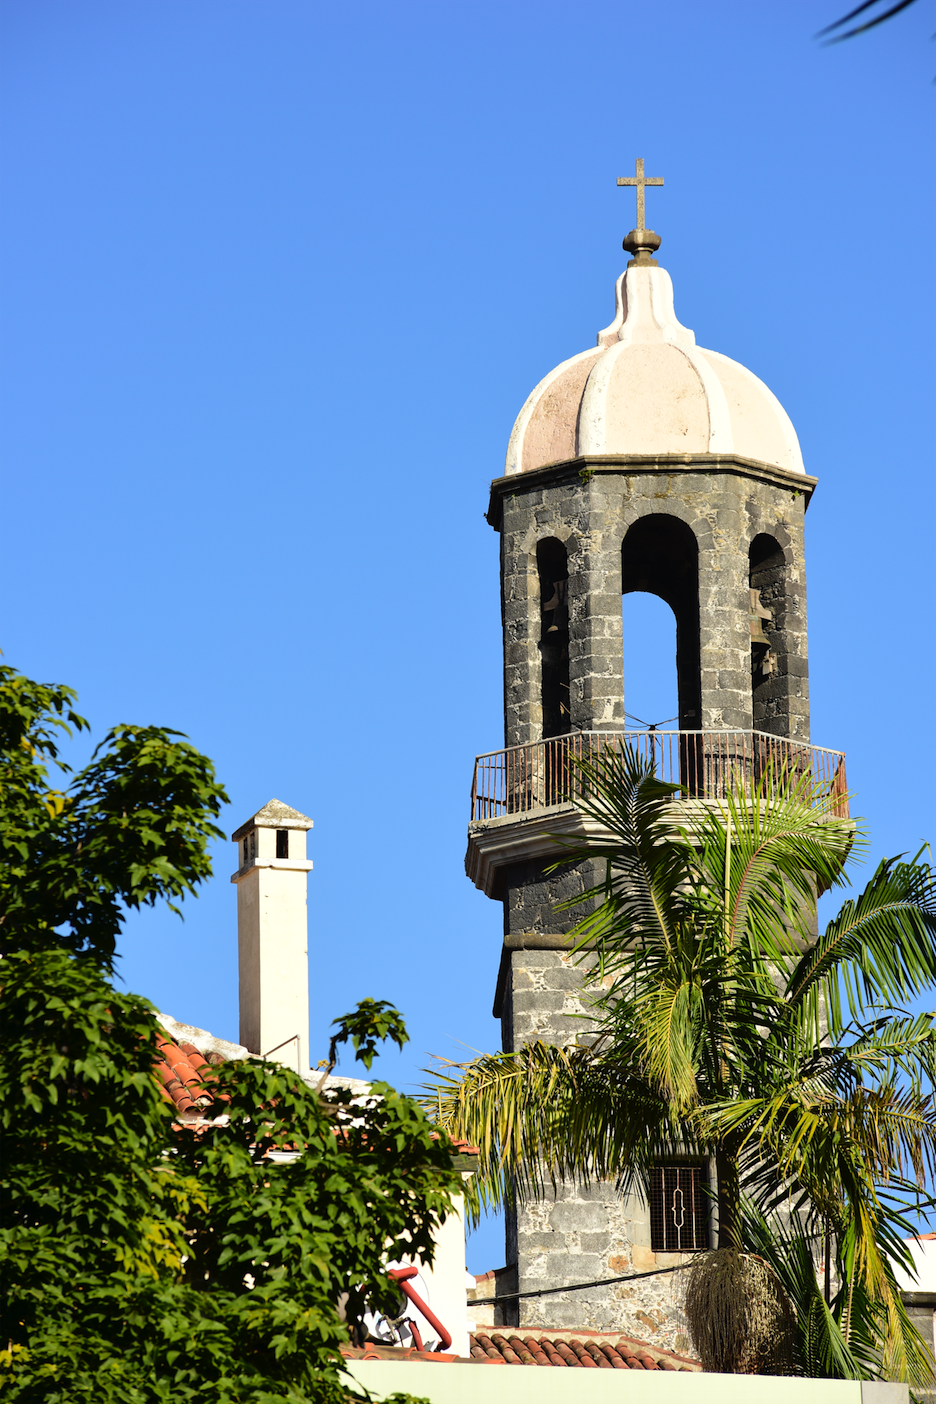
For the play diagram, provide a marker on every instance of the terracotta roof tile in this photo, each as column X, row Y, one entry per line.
column 583, row 1350
column 181, row 1069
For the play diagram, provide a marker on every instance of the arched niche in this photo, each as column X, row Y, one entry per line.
column 552, row 564
column 660, row 555
column 768, row 580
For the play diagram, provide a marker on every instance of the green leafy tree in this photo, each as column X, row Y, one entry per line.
column 129, row 830
column 140, row 1261
column 728, row 1029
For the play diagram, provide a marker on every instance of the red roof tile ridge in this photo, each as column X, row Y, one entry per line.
column 536, row 1349
column 581, row 1347
column 585, row 1333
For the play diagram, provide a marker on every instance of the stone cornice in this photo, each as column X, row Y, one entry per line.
column 634, row 464
column 515, row 838
column 494, row 844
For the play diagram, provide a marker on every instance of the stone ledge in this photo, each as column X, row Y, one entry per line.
column 632, row 464
column 515, row 838
column 498, row 843
column 529, row 941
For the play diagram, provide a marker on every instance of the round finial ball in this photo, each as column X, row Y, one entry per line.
column 639, row 239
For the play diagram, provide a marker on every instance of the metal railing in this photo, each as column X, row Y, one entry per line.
column 521, row 779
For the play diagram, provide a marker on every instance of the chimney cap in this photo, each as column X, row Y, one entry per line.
column 274, row 815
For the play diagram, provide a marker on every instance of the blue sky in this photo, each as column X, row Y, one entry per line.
column 278, row 276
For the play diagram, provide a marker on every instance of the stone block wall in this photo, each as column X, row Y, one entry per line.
column 722, row 506
column 589, row 507
column 579, row 1233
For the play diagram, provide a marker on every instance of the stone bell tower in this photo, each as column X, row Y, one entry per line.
column 644, row 464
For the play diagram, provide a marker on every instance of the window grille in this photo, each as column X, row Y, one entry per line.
column 678, row 1209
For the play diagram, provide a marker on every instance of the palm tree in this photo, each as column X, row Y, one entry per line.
column 728, row 1029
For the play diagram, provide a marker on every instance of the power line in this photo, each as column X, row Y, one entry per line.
column 576, row 1286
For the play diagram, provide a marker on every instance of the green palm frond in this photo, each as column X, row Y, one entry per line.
column 545, row 1115
column 821, row 1350
column 642, row 892
column 864, row 1332
column 722, row 1030
column 892, row 1045
column 779, row 839
column 881, row 946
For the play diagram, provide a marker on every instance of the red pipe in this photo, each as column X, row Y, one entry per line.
column 401, row 1276
column 414, row 1330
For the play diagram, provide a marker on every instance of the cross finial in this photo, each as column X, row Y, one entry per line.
column 640, row 180
column 641, row 242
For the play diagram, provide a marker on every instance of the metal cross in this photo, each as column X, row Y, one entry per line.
column 640, row 180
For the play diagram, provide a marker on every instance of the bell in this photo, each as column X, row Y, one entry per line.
column 558, row 596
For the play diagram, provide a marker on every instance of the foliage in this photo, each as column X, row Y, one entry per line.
column 373, row 1021
column 140, row 1261
column 724, row 1028
column 130, row 829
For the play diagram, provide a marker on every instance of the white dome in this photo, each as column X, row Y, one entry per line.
column 648, row 389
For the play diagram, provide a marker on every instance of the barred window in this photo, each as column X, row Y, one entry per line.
column 678, row 1209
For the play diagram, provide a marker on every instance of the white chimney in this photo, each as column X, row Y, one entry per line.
column 272, row 934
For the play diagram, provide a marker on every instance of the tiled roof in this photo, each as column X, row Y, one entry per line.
column 375, row 1351
column 588, row 1350
column 180, row 1069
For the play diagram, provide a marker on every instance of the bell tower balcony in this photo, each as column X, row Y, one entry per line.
column 523, row 795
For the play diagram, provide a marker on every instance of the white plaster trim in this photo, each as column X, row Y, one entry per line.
column 514, row 461
column 650, row 310
column 515, row 838
column 795, row 464
column 289, row 865
column 204, row 1041
column 610, row 333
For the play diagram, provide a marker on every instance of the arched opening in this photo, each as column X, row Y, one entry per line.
column 768, row 581
column 660, row 556
column 650, row 681
column 553, row 567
